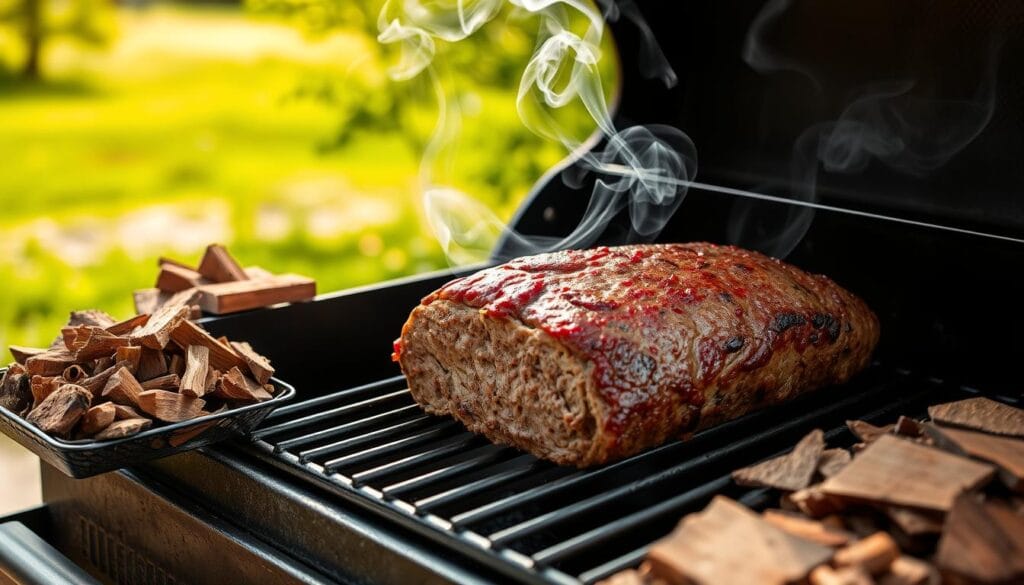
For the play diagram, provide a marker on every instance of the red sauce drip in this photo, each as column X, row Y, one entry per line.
column 396, row 350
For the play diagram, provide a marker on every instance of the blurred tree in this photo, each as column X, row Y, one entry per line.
column 37, row 21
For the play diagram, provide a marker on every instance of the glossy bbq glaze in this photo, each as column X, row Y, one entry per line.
column 669, row 331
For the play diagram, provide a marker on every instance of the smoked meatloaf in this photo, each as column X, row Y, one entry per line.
column 583, row 357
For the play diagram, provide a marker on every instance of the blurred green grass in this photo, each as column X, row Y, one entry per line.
column 194, row 127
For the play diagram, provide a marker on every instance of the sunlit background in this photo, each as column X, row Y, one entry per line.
column 135, row 130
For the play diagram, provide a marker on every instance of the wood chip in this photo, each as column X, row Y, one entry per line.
column 981, row 414
column 258, row 365
column 91, row 318
column 222, row 356
column 866, row 431
column 234, row 385
column 826, row 575
column 98, row 343
column 74, row 374
column 218, row 265
column 122, row 388
column 128, row 325
column 197, row 366
column 22, row 353
column 177, row 365
column 61, row 410
column 812, row 502
column 124, row 428
column 170, row 406
column 908, row 427
column 132, row 355
column 803, row 527
column 897, row 471
column 833, row 461
column 97, row 381
column 873, row 554
column 212, row 379
column 16, row 389
column 122, row 412
column 791, row 472
column 982, row 542
column 174, row 279
column 165, row 382
column 152, row 364
column 50, row 363
column 157, row 332
column 98, row 418
column 910, row 571
column 43, row 386
column 914, row 523
column 164, row 260
column 1007, row 453
column 231, row 297
column 149, row 300
column 727, row 543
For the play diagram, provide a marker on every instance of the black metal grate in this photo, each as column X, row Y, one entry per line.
column 530, row 519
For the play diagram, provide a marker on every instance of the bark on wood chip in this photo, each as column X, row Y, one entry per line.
column 98, row 343
column 218, row 265
column 897, row 471
column 234, row 385
column 102, row 364
column 866, row 431
column 910, row 571
column 91, row 318
column 132, row 355
column 164, row 260
column 833, row 461
column 914, row 523
column 174, row 279
column 49, row 363
column 170, row 406
column 128, row 325
column 16, row 389
column 166, row 382
column 982, row 542
column 258, row 365
column 122, row 388
column 124, row 428
column 790, row 472
column 22, row 353
column 1007, row 453
column 148, row 300
column 43, row 386
column 222, row 356
column 152, row 364
column 231, row 297
column 981, row 414
column 74, row 374
column 799, row 525
column 873, row 554
column 61, row 410
column 197, row 366
column 727, row 543
column 97, row 381
column 157, row 332
column 826, row 575
column 98, row 418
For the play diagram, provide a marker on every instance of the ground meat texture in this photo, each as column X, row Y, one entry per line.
column 584, row 357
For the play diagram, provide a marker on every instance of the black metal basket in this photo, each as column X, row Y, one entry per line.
column 85, row 458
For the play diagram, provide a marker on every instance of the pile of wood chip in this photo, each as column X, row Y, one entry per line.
column 104, row 379
column 222, row 286
column 915, row 503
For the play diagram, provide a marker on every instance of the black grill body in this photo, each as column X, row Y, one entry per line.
column 352, row 483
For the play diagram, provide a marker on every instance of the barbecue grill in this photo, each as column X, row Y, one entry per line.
column 353, row 483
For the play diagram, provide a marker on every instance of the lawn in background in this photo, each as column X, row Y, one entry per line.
column 199, row 125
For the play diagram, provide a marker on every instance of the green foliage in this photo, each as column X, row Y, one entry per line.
column 36, row 22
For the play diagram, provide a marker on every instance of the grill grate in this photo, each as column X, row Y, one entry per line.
column 530, row 519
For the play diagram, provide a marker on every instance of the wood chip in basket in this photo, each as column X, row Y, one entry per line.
column 791, row 472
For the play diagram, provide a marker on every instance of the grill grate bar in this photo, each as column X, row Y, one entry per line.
column 605, row 570
column 518, row 467
column 354, row 426
column 389, row 448
column 433, row 453
column 367, row 438
column 477, row 458
column 328, row 415
column 340, row 396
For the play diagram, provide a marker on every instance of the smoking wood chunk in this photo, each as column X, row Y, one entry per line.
column 910, row 571
column 98, row 418
column 97, row 381
column 798, row 525
column 128, row 325
column 91, row 318
column 259, row 366
column 170, row 406
column 1006, row 453
column 74, row 374
column 231, row 297
column 813, row 502
column 897, row 471
column 152, row 364
column 173, row 278
column 874, row 554
column 866, row 431
column 727, row 543
column 627, row 577
column 16, row 389
column 908, row 427
column 197, row 365
column 234, row 385
column 124, row 428
column 164, row 260
column 157, row 332
column 222, row 357
column 982, row 542
column 790, row 472
column 122, row 412
column 166, row 382
column 50, row 363
column 914, row 523
column 826, row 575
column 131, row 354
column 122, row 388
column 833, row 461
column 218, row 265
column 21, row 353
column 98, row 343
column 212, row 378
column 61, row 410
column 43, row 387
column 980, row 414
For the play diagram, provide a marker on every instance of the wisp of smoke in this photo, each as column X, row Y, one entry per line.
column 651, row 165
